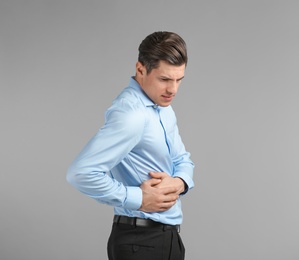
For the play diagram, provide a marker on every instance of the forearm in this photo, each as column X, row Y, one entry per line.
column 185, row 173
column 101, row 187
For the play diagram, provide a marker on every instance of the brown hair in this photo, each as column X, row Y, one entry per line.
column 162, row 45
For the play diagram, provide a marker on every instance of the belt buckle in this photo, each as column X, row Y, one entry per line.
column 178, row 228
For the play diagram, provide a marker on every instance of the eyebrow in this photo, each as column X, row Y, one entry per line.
column 164, row 77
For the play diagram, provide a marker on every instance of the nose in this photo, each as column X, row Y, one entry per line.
column 172, row 88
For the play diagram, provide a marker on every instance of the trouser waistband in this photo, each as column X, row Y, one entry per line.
column 142, row 222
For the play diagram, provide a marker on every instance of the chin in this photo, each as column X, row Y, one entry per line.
column 164, row 105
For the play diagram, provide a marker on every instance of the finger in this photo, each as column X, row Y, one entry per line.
column 170, row 199
column 167, row 205
column 153, row 182
column 158, row 175
column 169, row 190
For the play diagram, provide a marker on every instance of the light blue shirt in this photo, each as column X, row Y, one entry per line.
column 137, row 137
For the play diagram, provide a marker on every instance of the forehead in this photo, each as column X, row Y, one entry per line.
column 169, row 70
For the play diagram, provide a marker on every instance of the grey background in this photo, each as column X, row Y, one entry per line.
column 62, row 63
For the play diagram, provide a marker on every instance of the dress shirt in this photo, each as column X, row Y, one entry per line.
column 138, row 137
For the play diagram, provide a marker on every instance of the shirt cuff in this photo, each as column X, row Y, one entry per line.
column 189, row 184
column 134, row 198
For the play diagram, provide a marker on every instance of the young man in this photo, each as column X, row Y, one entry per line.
column 137, row 162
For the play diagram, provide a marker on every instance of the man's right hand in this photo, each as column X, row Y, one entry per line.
column 157, row 200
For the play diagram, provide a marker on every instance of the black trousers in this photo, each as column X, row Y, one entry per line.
column 129, row 242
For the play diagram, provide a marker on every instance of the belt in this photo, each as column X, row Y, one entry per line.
column 142, row 222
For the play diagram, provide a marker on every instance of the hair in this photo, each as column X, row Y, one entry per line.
column 162, row 46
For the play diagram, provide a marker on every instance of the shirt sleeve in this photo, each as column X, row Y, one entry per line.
column 89, row 172
column 183, row 165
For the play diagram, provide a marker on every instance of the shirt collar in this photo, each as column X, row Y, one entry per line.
column 144, row 98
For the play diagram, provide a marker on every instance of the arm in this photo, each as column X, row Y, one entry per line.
column 183, row 165
column 89, row 172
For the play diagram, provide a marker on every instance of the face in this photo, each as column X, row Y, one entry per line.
column 162, row 83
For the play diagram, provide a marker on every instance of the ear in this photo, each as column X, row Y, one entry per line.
column 140, row 69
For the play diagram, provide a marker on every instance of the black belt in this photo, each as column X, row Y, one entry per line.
column 142, row 222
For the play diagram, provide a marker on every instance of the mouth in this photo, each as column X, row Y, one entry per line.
column 168, row 98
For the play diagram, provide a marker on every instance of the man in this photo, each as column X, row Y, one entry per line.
column 137, row 162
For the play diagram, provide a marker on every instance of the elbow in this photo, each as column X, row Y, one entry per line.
column 71, row 176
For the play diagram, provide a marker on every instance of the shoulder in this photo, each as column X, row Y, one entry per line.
column 127, row 110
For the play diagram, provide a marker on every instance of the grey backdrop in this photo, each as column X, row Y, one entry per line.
column 62, row 63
